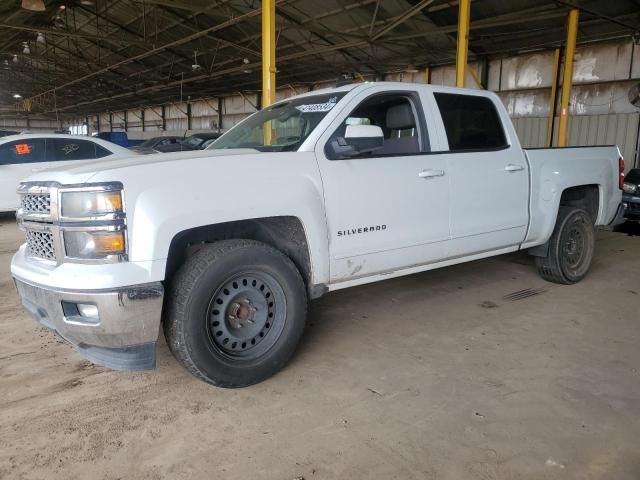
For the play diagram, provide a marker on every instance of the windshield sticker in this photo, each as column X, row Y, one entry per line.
column 23, row 149
column 318, row 107
column 70, row 147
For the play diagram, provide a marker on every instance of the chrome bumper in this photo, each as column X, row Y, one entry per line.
column 124, row 335
column 619, row 217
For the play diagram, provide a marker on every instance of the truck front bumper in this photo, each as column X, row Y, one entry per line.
column 120, row 334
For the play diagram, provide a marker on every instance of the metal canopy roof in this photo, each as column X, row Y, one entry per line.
column 102, row 55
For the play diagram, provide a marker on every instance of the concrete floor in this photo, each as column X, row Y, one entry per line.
column 440, row 375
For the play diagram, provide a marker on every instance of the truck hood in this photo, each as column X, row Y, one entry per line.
column 85, row 170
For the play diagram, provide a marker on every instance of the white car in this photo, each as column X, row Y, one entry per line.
column 22, row 155
column 318, row 192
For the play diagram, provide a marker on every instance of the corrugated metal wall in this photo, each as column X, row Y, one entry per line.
column 32, row 125
column 620, row 129
column 532, row 131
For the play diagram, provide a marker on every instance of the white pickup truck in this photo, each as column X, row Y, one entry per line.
column 322, row 191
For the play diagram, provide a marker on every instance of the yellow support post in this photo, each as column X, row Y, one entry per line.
column 464, row 14
column 552, row 101
column 268, row 62
column 567, row 77
column 268, row 52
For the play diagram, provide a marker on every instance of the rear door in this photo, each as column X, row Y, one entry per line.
column 489, row 206
column 389, row 209
column 18, row 160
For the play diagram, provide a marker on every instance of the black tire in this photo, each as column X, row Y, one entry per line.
column 245, row 292
column 571, row 247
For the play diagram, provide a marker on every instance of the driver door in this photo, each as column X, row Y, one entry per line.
column 388, row 209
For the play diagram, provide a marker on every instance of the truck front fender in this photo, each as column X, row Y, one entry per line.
column 172, row 197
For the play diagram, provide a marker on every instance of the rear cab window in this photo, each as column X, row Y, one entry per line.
column 29, row 150
column 471, row 122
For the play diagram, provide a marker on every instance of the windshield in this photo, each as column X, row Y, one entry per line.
column 282, row 127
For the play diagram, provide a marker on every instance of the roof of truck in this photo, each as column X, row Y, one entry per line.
column 396, row 85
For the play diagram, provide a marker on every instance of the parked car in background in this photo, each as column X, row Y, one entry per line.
column 631, row 194
column 208, row 143
column 22, row 155
column 154, row 145
column 6, row 133
column 196, row 141
column 119, row 138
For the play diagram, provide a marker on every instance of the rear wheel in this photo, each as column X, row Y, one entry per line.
column 571, row 247
column 237, row 312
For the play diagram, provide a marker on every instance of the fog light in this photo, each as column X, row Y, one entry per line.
column 87, row 310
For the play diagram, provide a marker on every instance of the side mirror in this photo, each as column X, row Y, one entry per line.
column 358, row 139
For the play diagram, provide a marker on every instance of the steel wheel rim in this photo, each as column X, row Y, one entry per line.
column 574, row 246
column 246, row 315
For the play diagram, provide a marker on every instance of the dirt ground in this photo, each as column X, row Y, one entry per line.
column 441, row 375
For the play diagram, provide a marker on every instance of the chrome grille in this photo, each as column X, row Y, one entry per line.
column 39, row 203
column 40, row 244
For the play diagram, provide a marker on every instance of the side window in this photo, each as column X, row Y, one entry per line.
column 399, row 115
column 101, row 151
column 471, row 122
column 30, row 150
column 72, row 149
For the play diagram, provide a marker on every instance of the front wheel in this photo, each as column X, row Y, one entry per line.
column 571, row 247
column 236, row 313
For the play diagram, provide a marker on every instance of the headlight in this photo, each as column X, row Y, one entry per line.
column 94, row 244
column 629, row 187
column 91, row 203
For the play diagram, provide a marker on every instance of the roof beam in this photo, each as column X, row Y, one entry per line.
column 192, row 6
column 401, row 19
column 188, row 38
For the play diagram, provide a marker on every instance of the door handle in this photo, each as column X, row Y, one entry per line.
column 513, row 168
column 431, row 173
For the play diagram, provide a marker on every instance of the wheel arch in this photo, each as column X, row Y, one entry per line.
column 587, row 197
column 285, row 233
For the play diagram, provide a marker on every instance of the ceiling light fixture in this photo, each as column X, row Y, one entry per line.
column 15, row 58
column 195, row 65
column 40, row 39
column 17, row 95
column 26, row 49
